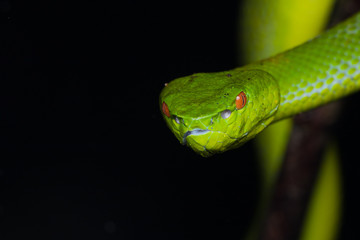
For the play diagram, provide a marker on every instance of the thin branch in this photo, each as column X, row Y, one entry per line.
column 298, row 174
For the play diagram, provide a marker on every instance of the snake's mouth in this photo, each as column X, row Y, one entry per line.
column 207, row 142
column 196, row 131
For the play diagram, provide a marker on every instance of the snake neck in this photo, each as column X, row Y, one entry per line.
column 317, row 72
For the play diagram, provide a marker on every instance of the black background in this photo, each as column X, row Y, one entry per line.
column 85, row 152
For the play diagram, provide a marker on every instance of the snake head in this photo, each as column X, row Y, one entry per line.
column 215, row 112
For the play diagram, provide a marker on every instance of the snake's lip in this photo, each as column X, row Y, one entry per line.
column 196, row 131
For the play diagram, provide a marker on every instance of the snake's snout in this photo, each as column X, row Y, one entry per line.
column 196, row 131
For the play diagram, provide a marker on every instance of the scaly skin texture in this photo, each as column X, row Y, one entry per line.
column 317, row 72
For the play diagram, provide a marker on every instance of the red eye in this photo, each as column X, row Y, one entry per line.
column 165, row 109
column 240, row 100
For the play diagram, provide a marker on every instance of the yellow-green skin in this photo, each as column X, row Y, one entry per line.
column 317, row 72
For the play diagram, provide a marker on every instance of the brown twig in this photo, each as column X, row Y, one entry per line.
column 298, row 174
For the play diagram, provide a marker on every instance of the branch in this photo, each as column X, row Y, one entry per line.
column 298, row 174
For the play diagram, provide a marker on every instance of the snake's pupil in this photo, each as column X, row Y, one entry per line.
column 240, row 100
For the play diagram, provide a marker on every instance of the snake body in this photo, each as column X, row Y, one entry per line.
column 215, row 112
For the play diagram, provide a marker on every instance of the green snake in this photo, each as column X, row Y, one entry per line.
column 216, row 112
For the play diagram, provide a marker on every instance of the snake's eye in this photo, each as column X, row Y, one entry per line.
column 165, row 109
column 240, row 100
column 225, row 114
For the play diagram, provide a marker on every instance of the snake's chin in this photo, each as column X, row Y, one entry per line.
column 208, row 142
